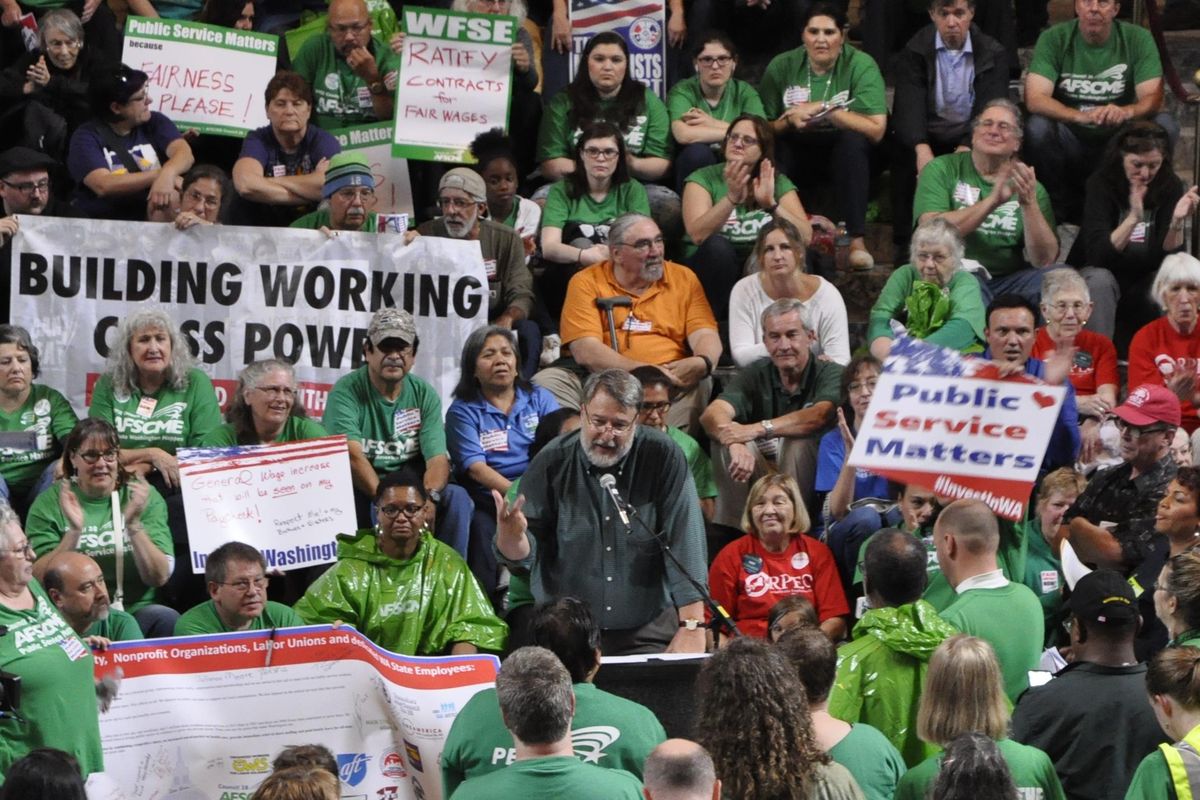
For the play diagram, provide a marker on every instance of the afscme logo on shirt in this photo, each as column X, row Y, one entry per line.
column 1110, row 82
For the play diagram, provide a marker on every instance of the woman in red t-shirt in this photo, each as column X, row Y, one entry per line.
column 776, row 560
column 1165, row 351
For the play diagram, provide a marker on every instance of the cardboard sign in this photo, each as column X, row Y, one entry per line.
column 203, row 76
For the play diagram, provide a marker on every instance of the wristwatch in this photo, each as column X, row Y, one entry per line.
column 768, row 429
column 376, row 87
column 691, row 624
column 436, row 496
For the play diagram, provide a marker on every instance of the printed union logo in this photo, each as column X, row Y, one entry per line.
column 645, row 33
column 249, row 765
column 589, row 743
column 352, row 767
column 391, row 765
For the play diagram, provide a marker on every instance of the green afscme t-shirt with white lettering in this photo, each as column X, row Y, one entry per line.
column 47, row 414
column 742, row 225
column 1086, row 75
column 391, row 433
column 343, row 98
column 168, row 419
column 951, row 182
column 649, row 133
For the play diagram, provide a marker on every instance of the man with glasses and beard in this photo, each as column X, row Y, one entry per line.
column 569, row 535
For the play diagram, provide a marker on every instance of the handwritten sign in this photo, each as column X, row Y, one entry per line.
column 455, row 82
column 203, row 76
column 962, row 435
column 641, row 23
column 288, row 500
column 393, row 187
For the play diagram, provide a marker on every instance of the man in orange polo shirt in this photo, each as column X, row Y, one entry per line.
column 669, row 324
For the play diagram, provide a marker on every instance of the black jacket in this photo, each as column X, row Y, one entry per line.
column 916, row 79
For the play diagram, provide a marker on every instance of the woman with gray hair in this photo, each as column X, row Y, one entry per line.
column 1165, row 351
column 932, row 296
column 264, row 408
column 156, row 397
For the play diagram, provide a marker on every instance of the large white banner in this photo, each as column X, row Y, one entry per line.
column 240, row 295
column 204, row 716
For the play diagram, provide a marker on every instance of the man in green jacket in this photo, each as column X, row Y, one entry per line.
column 881, row 671
column 400, row 587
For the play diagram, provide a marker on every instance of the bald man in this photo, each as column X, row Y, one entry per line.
column 966, row 538
column 352, row 73
column 75, row 584
column 680, row 769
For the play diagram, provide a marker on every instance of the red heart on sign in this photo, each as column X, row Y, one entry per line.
column 1043, row 400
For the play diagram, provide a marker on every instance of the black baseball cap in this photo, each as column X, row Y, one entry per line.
column 1103, row 596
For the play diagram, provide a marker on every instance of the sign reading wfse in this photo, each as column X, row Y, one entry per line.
column 455, row 82
column 961, row 436
column 203, row 76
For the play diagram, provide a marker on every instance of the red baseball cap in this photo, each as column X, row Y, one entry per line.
column 1148, row 404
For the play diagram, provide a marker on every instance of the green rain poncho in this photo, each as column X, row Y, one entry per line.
column 420, row 607
column 881, row 672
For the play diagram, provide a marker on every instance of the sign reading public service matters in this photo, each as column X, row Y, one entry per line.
column 205, row 77
column 961, row 435
column 455, row 82
column 641, row 23
column 288, row 500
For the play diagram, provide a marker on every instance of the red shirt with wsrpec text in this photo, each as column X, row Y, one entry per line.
column 1095, row 359
column 747, row 579
column 1156, row 353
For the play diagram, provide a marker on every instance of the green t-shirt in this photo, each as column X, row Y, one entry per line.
column 874, row 761
column 49, row 414
column 1152, row 780
column 738, row 98
column 296, row 429
column 561, row 208
column 607, row 730
column 391, row 433
column 741, row 228
column 855, row 76
column 58, row 695
column 1032, row 772
column 553, row 777
column 1044, row 576
column 951, row 182
column 698, row 462
column 171, row 418
column 119, row 626
column 1010, row 618
column 204, row 619
column 756, row 392
column 648, row 135
column 342, row 98
column 46, row 526
column 178, row 9
column 315, row 220
column 1086, row 76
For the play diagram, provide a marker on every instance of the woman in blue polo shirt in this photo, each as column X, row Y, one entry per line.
column 489, row 429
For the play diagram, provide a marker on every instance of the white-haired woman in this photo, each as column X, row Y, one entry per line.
column 932, row 296
column 1166, row 351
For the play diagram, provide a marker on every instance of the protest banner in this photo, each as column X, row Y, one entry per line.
column 240, row 295
column 392, row 184
column 947, row 423
column 288, row 500
column 641, row 23
column 455, row 82
column 204, row 716
column 203, row 76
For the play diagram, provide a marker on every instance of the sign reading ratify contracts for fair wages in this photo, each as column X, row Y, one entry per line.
column 455, row 82
column 203, row 76
column 961, row 435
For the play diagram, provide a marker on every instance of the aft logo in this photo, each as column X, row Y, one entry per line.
column 352, row 767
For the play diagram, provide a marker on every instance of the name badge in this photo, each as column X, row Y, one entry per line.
column 1049, row 581
column 794, row 95
column 146, row 407
column 406, row 420
column 364, row 97
column 494, row 441
column 966, row 194
column 636, row 325
column 769, row 448
column 489, row 268
column 1139, row 233
column 279, row 171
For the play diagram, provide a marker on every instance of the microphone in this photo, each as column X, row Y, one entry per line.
column 609, row 483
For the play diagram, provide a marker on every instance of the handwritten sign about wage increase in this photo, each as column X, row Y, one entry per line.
column 203, row 76
column 960, row 436
column 288, row 500
column 455, row 80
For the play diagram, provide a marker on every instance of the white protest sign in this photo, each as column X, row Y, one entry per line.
column 241, row 295
column 960, row 436
column 455, row 82
column 204, row 716
column 393, row 187
column 288, row 500
column 203, row 76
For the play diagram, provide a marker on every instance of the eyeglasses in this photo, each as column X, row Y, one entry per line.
column 617, row 426
column 457, row 203
column 1136, row 430
column 350, row 194
column 63, row 44
column 859, row 386
column 748, row 141
column 196, row 197
column 92, row 456
column 276, row 391
column 714, row 61
column 1003, row 127
column 355, row 27
column 937, row 258
column 642, row 245
column 245, row 584
column 659, row 407
column 28, row 187
column 601, row 153
column 23, row 550
column 1063, row 307
column 411, row 510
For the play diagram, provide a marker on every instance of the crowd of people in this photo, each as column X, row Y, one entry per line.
column 647, row 444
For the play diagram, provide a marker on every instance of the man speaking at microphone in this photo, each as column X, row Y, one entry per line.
column 567, row 532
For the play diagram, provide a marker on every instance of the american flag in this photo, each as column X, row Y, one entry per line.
column 590, row 17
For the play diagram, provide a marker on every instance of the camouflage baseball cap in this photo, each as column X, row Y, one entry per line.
column 391, row 323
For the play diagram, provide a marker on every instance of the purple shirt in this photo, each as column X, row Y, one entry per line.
column 146, row 143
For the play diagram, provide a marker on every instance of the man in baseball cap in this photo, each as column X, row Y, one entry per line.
column 1112, row 523
column 1072, row 717
column 393, row 419
column 462, row 198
